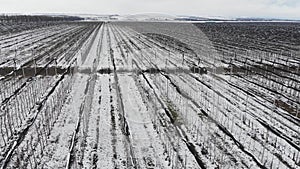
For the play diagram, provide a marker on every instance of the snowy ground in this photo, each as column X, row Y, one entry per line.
column 135, row 102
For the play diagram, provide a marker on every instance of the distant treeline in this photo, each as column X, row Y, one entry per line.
column 37, row 18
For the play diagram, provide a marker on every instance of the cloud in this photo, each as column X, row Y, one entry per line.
column 289, row 3
column 226, row 8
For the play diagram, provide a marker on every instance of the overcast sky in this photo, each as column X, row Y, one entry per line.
column 227, row 8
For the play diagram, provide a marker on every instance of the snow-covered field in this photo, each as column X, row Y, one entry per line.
column 142, row 95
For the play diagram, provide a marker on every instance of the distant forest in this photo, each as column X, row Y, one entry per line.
column 36, row 18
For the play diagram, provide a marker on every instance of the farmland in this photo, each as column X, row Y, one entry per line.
column 149, row 95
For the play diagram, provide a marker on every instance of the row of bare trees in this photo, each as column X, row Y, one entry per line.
column 36, row 18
